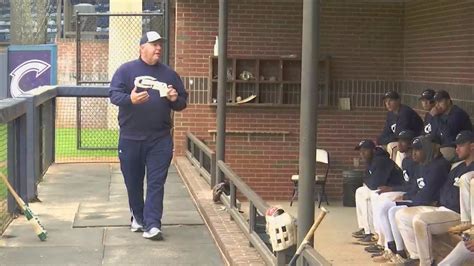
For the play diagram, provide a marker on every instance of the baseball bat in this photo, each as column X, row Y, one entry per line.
column 30, row 216
column 308, row 236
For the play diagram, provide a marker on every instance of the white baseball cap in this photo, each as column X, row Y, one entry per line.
column 150, row 36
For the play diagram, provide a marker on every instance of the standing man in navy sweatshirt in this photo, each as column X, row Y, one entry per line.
column 452, row 120
column 399, row 117
column 145, row 143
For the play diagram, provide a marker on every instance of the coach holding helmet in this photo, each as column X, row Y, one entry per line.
column 145, row 142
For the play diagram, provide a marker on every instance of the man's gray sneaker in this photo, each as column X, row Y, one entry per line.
column 153, row 234
column 135, row 226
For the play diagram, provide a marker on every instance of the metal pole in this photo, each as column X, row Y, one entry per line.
column 166, row 9
column 221, row 84
column 67, row 17
column 58, row 19
column 309, row 84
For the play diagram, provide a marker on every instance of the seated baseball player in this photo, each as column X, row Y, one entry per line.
column 399, row 117
column 380, row 171
column 428, row 178
column 408, row 166
column 466, row 187
column 417, row 224
column 404, row 140
column 428, row 104
column 452, row 120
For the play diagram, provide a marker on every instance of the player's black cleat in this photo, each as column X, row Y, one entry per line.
column 367, row 240
column 374, row 248
column 358, row 234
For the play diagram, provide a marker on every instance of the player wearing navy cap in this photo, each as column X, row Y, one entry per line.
column 416, row 224
column 465, row 144
column 390, row 193
column 452, row 120
column 380, row 171
column 399, row 117
column 428, row 178
column 428, row 104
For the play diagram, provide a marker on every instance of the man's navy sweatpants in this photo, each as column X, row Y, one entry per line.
column 155, row 156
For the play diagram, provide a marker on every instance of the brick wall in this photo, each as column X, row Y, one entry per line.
column 438, row 49
column 267, row 162
column 365, row 43
column 364, row 39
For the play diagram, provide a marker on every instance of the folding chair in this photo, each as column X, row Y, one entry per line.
column 322, row 157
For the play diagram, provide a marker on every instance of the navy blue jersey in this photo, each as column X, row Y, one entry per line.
column 450, row 124
column 449, row 194
column 430, row 124
column 429, row 180
column 152, row 118
column 382, row 171
column 409, row 169
column 405, row 119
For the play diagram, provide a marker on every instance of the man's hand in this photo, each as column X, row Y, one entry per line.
column 172, row 94
column 398, row 198
column 139, row 97
column 434, row 111
column 383, row 189
column 469, row 245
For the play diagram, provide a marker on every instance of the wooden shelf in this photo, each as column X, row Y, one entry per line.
column 285, row 90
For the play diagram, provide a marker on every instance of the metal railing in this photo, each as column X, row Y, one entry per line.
column 256, row 204
column 203, row 158
column 31, row 132
column 30, row 141
column 310, row 256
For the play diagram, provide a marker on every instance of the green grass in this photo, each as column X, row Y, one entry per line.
column 66, row 142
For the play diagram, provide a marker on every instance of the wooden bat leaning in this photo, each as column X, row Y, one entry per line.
column 30, row 216
column 308, row 236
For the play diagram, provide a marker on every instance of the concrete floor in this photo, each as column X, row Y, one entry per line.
column 85, row 210
column 333, row 236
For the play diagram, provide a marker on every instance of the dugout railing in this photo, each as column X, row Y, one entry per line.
column 28, row 140
column 31, row 147
column 204, row 160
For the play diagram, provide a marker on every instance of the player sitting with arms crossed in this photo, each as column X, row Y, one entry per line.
column 451, row 120
column 391, row 193
column 380, row 171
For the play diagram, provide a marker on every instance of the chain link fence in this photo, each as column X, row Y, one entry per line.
column 82, row 131
column 87, row 128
